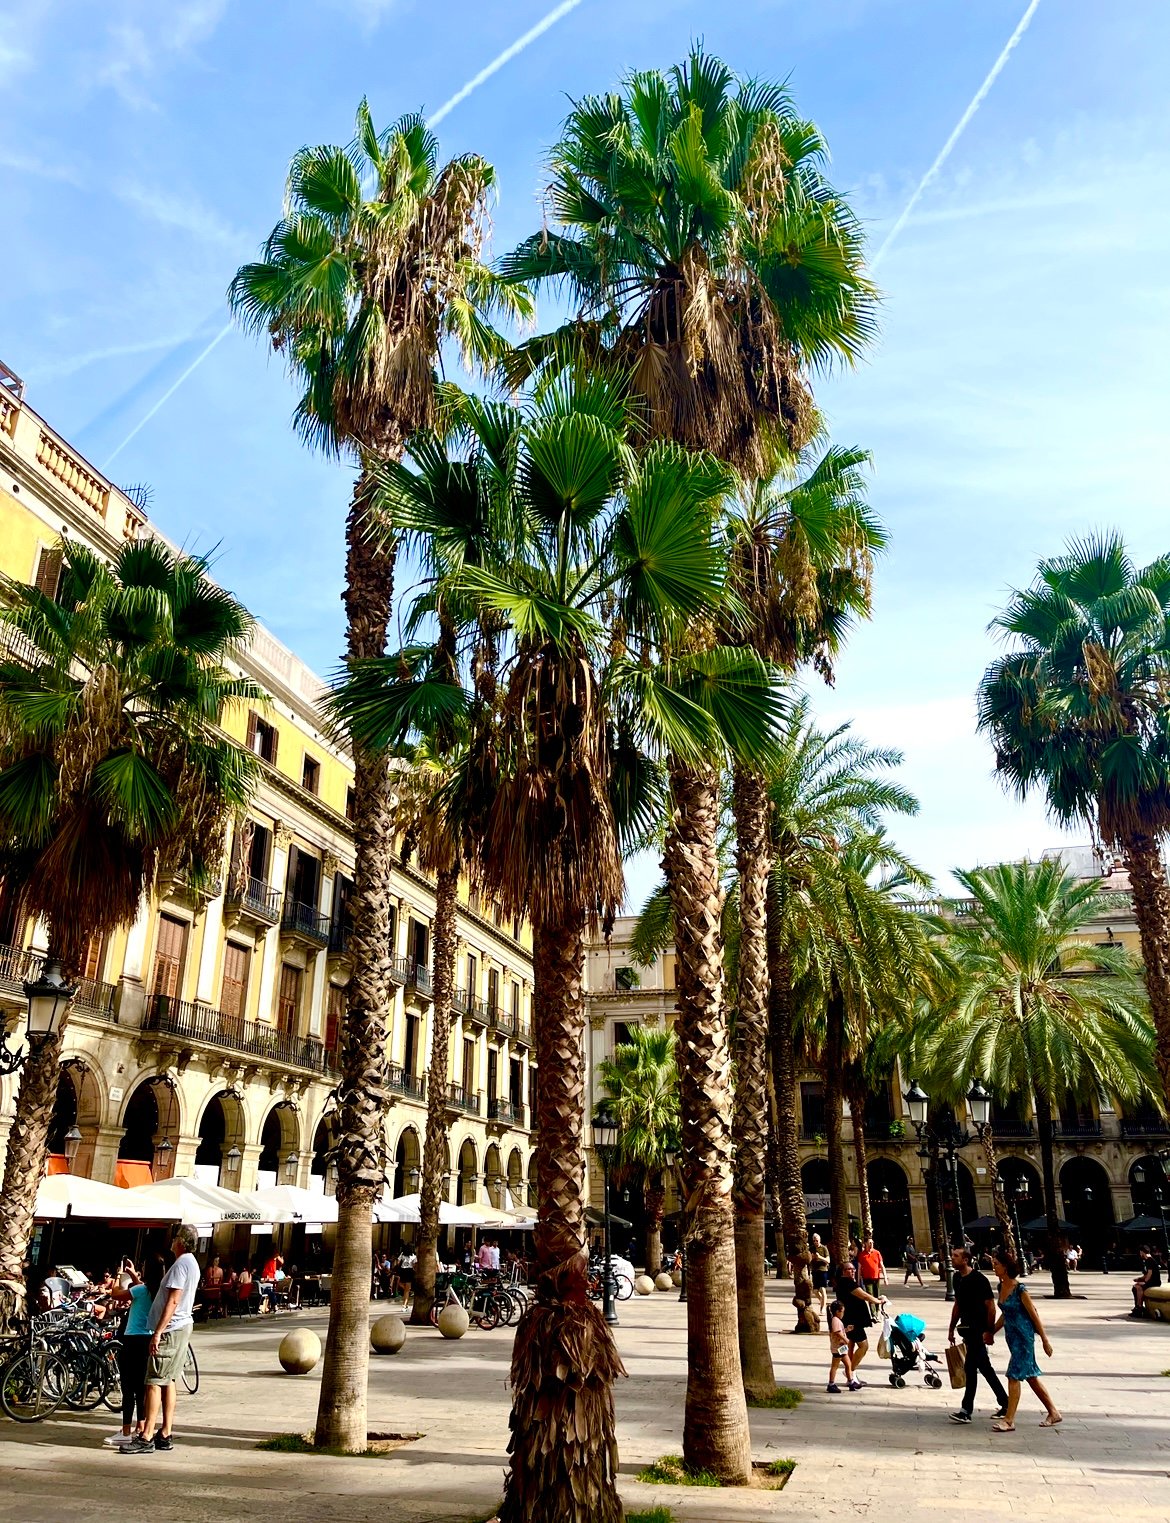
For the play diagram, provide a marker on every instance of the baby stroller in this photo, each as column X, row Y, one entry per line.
column 905, row 1338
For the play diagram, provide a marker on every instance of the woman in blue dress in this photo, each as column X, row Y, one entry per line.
column 1020, row 1322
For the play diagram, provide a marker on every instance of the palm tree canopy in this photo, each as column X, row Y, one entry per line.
column 641, row 1081
column 1029, row 1007
column 1078, row 706
column 707, row 255
column 111, row 762
column 375, row 262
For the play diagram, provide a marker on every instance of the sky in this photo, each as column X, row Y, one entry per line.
column 1016, row 398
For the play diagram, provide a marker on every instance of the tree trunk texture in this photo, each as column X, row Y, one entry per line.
column 1151, row 904
column 999, row 1201
column 834, row 1094
column 362, row 1095
column 774, row 1192
column 563, row 1446
column 715, row 1425
column 792, row 1220
column 655, row 1210
column 1054, row 1243
column 24, row 1167
column 434, row 1145
column 860, row 1152
column 750, row 1124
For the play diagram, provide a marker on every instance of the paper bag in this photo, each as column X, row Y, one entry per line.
column 957, row 1365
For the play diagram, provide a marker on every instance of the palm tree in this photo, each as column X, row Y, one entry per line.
column 802, row 558
column 549, row 776
column 375, row 263
column 1077, row 708
column 112, row 772
column 641, row 1079
column 712, row 263
column 1036, row 1011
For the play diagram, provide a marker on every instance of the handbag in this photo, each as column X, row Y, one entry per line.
column 957, row 1365
column 883, row 1347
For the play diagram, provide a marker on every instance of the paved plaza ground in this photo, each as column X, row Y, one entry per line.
column 890, row 1456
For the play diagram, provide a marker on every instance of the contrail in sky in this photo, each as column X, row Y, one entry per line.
column 945, row 152
column 530, row 36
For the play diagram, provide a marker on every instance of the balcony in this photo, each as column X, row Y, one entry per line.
column 302, row 923
column 18, row 966
column 475, row 1010
column 339, row 935
column 1145, row 1126
column 96, row 999
column 400, row 970
column 505, row 1112
column 522, row 1035
column 501, row 1021
column 1071, row 1130
column 414, row 1086
column 459, row 1001
column 465, row 1100
column 1012, row 1130
column 253, row 901
column 203, row 1023
column 418, row 979
column 891, row 1133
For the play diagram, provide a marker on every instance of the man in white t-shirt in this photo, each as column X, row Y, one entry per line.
column 172, row 1313
column 495, row 1259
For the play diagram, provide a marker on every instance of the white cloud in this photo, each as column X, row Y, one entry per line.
column 183, row 212
column 148, row 40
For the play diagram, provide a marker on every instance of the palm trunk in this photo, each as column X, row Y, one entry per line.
column 434, row 1146
column 1151, row 904
column 362, row 1093
column 564, row 1361
column 1055, row 1245
column 834, row 1094
column 750, row 1129
column 24, row 1167
column 999, row 1201
column 774, row 1192
column 655, row 1207
column 792, row 1222
column 715, row 1424
column 860, row 1153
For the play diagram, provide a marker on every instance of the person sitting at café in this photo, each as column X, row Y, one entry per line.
column 1149, row 1279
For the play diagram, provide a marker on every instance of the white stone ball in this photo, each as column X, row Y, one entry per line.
column 663, row 1281
column 453, row 1321
column 676, row 1277
column 644, row 1285
column 299, row 1350
column 388, row 1334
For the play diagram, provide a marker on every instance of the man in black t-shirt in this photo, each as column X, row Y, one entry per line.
column 974, row 1315
column 1150, row 1276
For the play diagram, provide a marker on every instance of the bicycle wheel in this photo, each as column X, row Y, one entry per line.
column 112, row 1396
column 88, row 1379
column 191, row 1371
column 623, row 1287
column 487, row 1312
column 33, row 1385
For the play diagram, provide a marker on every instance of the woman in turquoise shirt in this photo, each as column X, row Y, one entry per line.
column 135, row 1348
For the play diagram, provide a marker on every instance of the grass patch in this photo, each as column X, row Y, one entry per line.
column 380, row 1444
column 783, row 1399
column 672, row 1470
column 655, row 1515
column 780, row 1468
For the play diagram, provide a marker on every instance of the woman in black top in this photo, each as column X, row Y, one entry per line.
column 858, row 1314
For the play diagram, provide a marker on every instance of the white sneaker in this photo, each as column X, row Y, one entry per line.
column 116, row 1439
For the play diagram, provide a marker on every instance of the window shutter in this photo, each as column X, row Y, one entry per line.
column 275, row 743
column 251, row 740
column 48, row 577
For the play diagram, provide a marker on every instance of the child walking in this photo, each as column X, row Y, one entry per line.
column 839, row 1350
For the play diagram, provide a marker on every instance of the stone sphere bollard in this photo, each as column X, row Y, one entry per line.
column 644, row 1285
column 453, row 1321
column 663, row 1281
column 299, row 1350
column 387, row 1335
column 676, row 1277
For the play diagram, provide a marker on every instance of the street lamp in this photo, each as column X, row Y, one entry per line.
column 605, row 1141
column 979, row 1105
column 948, row 1137
column 233, row 1159
column 1019, row 1192
column 48, row 998
column 161, row 1161
column 331, row 1177
column 290, row 1168
column 72, row 1143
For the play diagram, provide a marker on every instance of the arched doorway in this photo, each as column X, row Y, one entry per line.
column 219, row 1158
column 493, row 1173
column 322, row 1173
column 889, row 1197
column 150, row 1131
column 280, row 1141
column 516, row 1177
column 407, row 1164
column 1146, row 1178
column 533, row 1191
column 814, row 1177
column 465, row 1185
column 1088, row 1203
column 1022, row 1188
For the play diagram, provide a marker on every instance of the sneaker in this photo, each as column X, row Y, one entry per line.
column 856, row 1385
column 164, row 1442
column 138, row 1445
column 960, row 1416
column 833, row 1388
column 116, row 1439
column 995, row 1416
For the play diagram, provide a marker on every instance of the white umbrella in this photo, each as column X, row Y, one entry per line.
column 196, row 1202
column 404, row 1209
column 73, row 1196
column 291, row 1203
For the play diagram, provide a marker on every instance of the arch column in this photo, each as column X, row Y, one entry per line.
column 103, row 1158
column 249, row 1164
column 185, row 1149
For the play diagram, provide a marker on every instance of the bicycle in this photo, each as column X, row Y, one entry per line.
column 33, row 1380
column 190, row 1371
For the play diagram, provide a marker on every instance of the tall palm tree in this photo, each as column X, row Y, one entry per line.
column 641, row 1079
column 710, row 260
column 374, row 265
column 602, row 535
column 1034, row 1010
column 112, row 771
column 1077, row 709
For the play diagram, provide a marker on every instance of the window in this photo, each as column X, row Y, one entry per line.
column 468, row 1067
column 516, row 929
column 311, row 774
column 418, row 943
column 350, row 804
column 304, row 877
column 812, row 1108
column 288, row 1004
column 516, row 1083
column 393, row 930
column 95, row 956
column 472, row 975
column 233, row 992
column 516, row 1002
column 497, row 916
column 410, row 1050
column 626, row 978
column 493, row 1073
column 334, row 1015
column 493, row 990
column 621, row 1033
column 473, row 900
column 262, row 738
column 259, row 854
column 169, row 953
column 47, row 578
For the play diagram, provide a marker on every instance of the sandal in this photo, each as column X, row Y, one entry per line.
column 1051, row 1422
column 1003, row 1426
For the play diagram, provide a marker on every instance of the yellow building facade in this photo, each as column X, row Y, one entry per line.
column 203, row 1038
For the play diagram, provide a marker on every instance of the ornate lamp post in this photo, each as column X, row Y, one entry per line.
column 948, row 1137
column 605, row 1142
column 233, row 1159
column 289, row 1168
column 48, row 998
column 72, row 1144
column 163, row 1159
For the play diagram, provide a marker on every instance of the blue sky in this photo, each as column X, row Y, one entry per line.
column 1018, row 395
